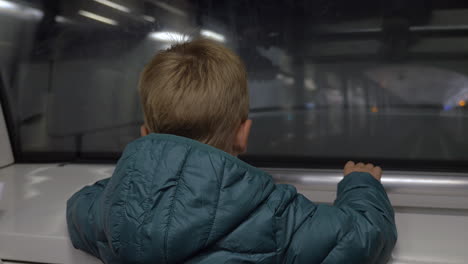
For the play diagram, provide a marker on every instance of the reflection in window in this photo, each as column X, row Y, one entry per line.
column 328, row 79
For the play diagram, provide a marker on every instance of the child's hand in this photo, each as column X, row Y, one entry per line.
column 375, row 171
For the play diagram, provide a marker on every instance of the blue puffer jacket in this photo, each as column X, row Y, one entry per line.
column 175, row 200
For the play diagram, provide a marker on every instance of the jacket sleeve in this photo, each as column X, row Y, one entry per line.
column 358, row 229
column 82, row 225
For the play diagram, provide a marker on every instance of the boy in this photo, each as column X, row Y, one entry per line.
column 179, row 194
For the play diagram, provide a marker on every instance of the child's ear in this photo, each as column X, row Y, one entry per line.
column 242, row 137
column 144, row 130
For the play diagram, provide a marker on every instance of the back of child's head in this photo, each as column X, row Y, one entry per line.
column 196, row 89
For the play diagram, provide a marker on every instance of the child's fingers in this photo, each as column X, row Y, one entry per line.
column 349, row 164
column 348, row 167
column 369, row 166
column 377, row 172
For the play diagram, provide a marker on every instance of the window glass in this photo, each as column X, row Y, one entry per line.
column 329, row 80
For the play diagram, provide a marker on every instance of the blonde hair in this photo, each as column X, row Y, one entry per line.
column 196, row 89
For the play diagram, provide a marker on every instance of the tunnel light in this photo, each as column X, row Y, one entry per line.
column 20, row 10
column 212, row 35
column 32, row 12
column 374, row 109
column 167, row 36
column 149, row 18
column 98, row 17
column 7, row 5
column 286, row 79
column 114, row 5
column 309, row 84
column 170, row 8
column 61, row 19
column 462, row 103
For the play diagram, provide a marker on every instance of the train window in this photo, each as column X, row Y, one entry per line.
column 329, row 80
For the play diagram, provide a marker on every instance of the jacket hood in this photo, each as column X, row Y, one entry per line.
column 171, row 197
